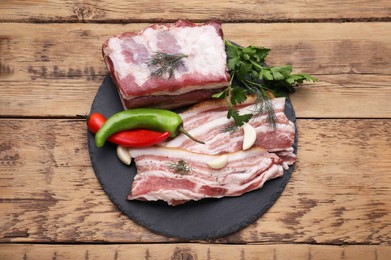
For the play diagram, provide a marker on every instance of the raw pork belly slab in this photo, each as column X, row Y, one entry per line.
column 202, row 73
column 156, row 180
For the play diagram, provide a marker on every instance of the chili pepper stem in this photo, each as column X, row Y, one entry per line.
column 183, row 131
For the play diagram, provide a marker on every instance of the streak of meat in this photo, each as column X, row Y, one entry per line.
column 203, row 73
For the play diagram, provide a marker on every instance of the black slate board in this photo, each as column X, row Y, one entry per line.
column 205, row 219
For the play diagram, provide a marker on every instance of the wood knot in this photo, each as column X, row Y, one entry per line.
column 8, row 154
column 5, row 69
column 183, row 253
column 85, row 11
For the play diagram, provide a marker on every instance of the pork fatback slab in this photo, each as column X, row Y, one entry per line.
column 202, row 72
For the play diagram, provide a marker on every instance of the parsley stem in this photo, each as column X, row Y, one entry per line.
column 257, row 65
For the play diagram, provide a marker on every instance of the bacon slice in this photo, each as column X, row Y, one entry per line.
column 204, row 69
column 155, row 180
column 208, row 122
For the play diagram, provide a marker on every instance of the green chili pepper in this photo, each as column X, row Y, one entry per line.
column 142, row 118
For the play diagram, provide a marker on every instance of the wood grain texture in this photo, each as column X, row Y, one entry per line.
column 49, row 191
column 194, row 251
column 227, row 10
column 337, row 203
column 62, row 65
column 344, row 96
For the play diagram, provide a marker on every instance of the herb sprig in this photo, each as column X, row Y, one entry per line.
column 250, row 76
column 180, row 167
column 165, row 64
column 230, row 128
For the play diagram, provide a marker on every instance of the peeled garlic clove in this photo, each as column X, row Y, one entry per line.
column 219, row 162
column 250, row 135
column 123, row 154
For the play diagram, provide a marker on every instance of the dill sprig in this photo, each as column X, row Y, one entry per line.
column 166, row 64
column 230, row 128
column 181, row 167
column 263, row 103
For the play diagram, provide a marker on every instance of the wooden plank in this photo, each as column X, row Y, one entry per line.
column 338, row 194
column 251, row 10
column 76, row 48
column 194, row 251
column 61, row 64
column 335, row 96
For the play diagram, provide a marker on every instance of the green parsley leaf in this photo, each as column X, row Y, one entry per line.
column 221, row 94
column 231, row 50
column 232, row 63
column 248, row 50
column 267, row 74
column 244, row 69
column 299, row 78
column 239, row 119
column 238, row 95
column 284, row 70
column 260, row 54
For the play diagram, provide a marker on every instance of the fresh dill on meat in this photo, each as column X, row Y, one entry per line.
column 230, row 128
column 180, row 167
column 165, row 64
column 250, row 76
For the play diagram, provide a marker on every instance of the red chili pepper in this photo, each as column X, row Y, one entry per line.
column 130, row 138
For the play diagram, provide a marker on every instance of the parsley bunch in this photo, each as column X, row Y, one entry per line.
column 250, row 76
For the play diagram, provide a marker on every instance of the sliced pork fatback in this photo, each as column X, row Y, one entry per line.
column 158, row 177
column 202, row 71
column 208, row 122
column 271, row 154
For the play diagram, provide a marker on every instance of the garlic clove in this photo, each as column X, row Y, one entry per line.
column 219, row 162
column 123, row 154
column 250, row 135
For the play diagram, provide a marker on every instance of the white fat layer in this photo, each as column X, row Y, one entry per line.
column 121, row 67
column 172, row 154
column 288, row 150
column 202, row 44
column 204, row 47
column 238, row 179
column 167, row 195
column 285, row 165
column 197, row 120
column 279, row 103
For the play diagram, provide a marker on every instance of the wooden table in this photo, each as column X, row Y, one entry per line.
column 337, row 204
